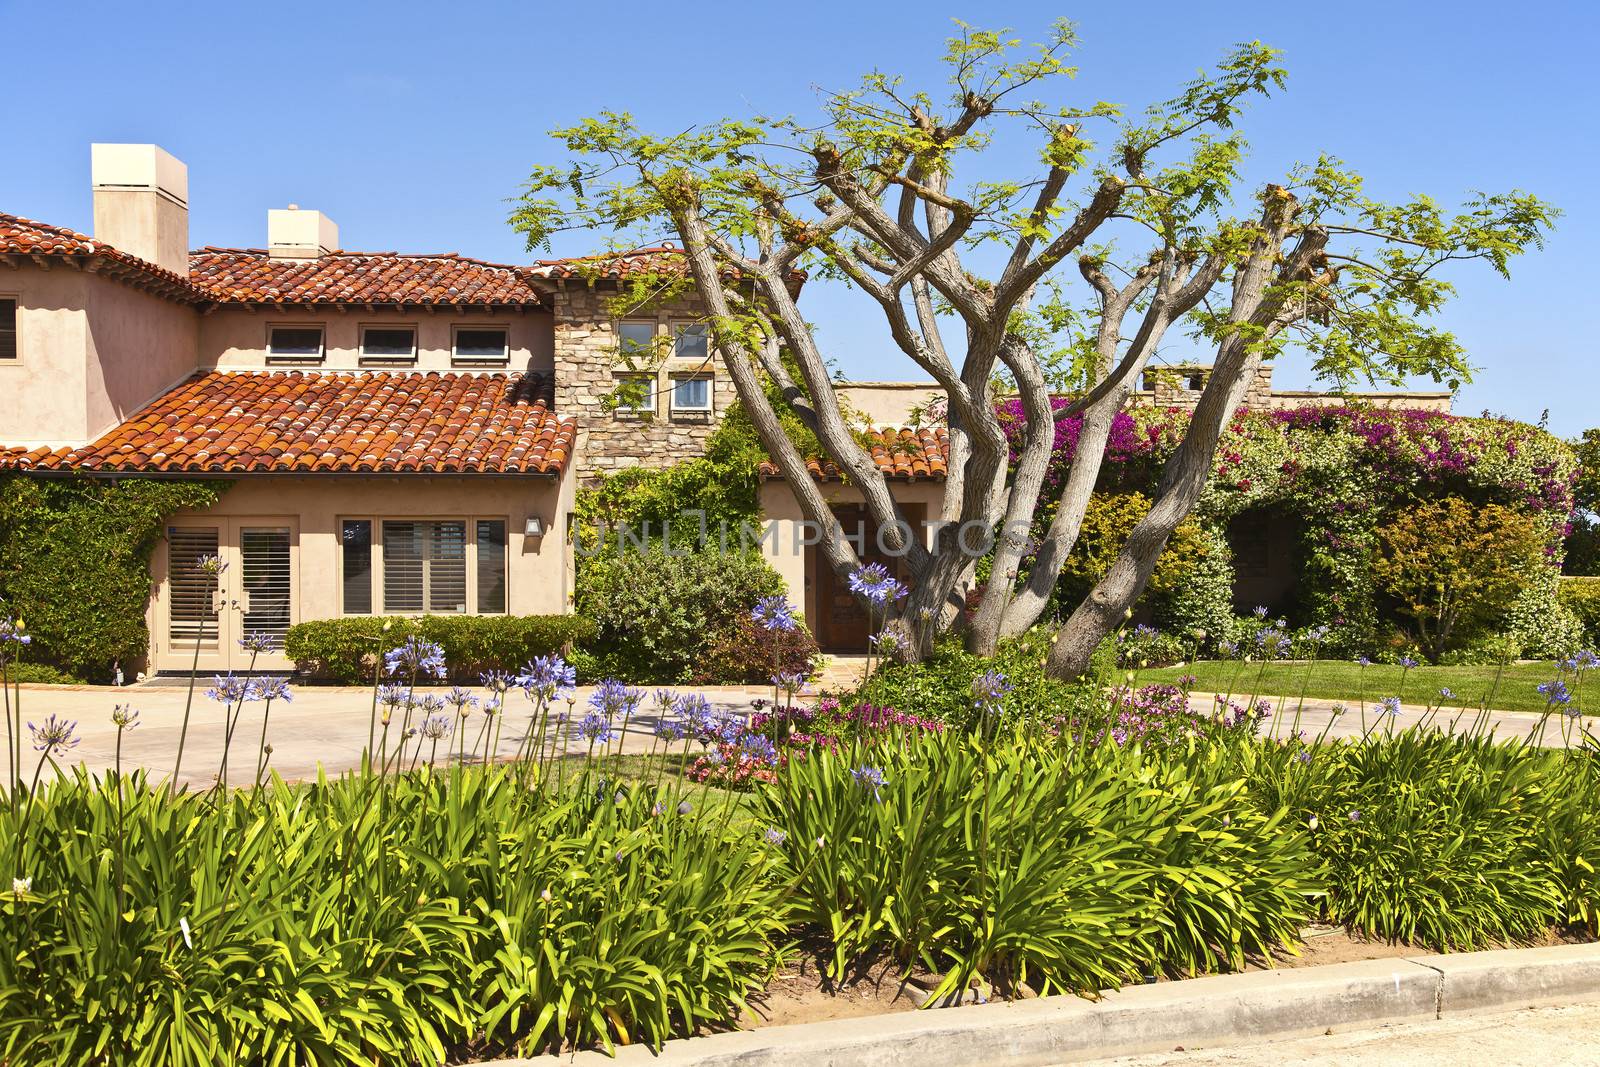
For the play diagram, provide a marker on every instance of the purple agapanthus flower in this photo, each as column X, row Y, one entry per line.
column 258, row 643
column 1555, row 693
column 393, row 696
column 274, row 688
column 461, row 699
column 876, row 585
column 124, row 717
column 790, row 682
column 1407, row 662
column 547, row 678
column 989, row 691
column 229, row 689
column 437, row 727
column 868, row 777
column 595, row 727
column 1389, row 705
column 612, row 697
column 775, row 613
column 415, row 656
column 496, row 682
column 55, row 736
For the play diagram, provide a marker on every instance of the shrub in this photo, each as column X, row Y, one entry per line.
column 1581, row 596
column 940, row 686
column 40, row 674
column 75, row 563
column 1454, row 569
column 344, row 650
column 742, row 651
column 657, row 611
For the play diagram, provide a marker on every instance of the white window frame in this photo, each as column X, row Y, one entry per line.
column 652, row 402
column 691, row 409
column 387, row 359
column 380, row 606
column 288, row 358
column 457, row 359
column 649, row 350
column 682, row 326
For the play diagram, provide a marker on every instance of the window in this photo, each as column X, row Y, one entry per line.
column 636, row 339
column 388, row 344
column 481, row 344
column 8, row 327
column 425, row 566
column 691, row 394
column 692, row 342
column 491, row 534
column 636, row 392
column 294, row 344
column 356, row 535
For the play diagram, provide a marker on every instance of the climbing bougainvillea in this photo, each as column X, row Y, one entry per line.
column 1342, row 471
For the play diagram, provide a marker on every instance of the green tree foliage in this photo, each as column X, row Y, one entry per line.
column 1453, row 569
column 1134, row 221
column 1583, row 541
column 75, row 563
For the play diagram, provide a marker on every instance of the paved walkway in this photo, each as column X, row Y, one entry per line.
column 322, row 727
column 1539, row 1037
column 327, row 727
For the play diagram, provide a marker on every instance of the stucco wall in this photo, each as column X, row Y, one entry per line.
column 138, row 346
column 538, row 574
column 890, row 403
column 232, row 338
column 45, row 396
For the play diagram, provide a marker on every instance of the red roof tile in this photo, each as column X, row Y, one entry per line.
column 225, row 422
column 251, row 276
column 903, row 453
column 656, row 259
column 25, row 237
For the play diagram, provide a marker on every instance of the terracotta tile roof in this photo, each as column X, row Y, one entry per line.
column 903, row 453
column 25, row 237
column 656, row 259
column 251, row 276
column 231, row 422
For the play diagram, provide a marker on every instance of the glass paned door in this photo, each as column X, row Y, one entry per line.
column 266, row 608
column 255, row 595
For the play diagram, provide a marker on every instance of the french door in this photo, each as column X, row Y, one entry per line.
column 206, row 613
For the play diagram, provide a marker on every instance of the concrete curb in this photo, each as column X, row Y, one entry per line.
column 1210, row 1011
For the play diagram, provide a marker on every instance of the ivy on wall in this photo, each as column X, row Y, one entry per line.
column 75, row 563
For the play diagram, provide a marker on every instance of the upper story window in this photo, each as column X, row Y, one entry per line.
column 388, row 344
column 294, row 344
column 692, row 341
column 638, row 338
column 481, row 344
column 8, row 327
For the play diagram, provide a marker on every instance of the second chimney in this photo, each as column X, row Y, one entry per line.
column 296, row 234
column 141, row 203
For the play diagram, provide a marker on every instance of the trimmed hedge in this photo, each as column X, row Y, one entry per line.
column 342, row 650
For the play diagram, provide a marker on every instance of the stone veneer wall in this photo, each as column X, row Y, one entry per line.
column 1169, row 388
column 587, row 371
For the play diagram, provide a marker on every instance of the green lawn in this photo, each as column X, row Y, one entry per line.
column 1515, row 690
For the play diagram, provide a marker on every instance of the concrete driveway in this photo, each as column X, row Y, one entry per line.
column 323, row 727
column 326, row 727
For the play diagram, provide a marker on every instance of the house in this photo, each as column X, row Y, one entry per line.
column 402, row 433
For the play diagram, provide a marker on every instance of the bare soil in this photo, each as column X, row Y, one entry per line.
column 802, row 993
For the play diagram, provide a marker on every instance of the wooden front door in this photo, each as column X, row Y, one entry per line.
column 202, row 617
column 842, row 623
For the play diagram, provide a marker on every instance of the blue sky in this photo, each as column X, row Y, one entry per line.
column 411, row 124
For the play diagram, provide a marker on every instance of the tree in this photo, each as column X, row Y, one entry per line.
column 1071, row 278
column 1583, row 539
column 1454, row 567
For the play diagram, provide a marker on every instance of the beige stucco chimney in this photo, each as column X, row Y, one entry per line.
column 296, row 234
column 141, row 203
